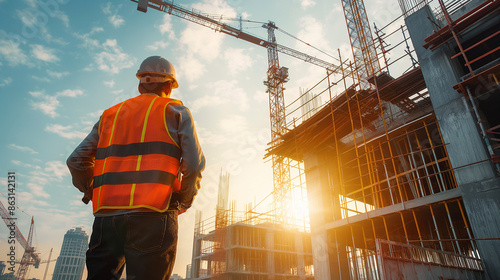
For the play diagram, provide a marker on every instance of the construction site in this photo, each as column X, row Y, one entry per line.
column 396, row 151
column 388, row 167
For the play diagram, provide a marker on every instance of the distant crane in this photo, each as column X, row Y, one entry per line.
column 29, row 255
column 276, row 77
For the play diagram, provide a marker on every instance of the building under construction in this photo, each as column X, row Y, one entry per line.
column 402, row 170
column 400, row 160
column 248, row 245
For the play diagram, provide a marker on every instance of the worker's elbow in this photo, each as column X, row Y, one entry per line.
column 70, row 161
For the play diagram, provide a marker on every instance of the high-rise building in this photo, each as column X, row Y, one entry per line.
column 71, row 260
column 176, row 277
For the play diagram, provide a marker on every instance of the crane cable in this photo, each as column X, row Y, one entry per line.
column 281, row 30
column 286, row 33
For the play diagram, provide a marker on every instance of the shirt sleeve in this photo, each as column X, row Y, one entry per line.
column 81, row 161
column 192, row 158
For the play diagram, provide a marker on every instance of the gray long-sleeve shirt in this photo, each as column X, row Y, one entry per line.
column 181, row 127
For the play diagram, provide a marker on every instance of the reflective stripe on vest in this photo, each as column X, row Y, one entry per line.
column 137, row 160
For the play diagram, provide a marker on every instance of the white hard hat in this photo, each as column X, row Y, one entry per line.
column 157, row 65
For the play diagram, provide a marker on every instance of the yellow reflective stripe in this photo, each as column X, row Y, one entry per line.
column 146, row 119
column 99, row 127
column 109, row 143
column 139, row 158
column 136, row 206
column 165, row 121
column 132, row 195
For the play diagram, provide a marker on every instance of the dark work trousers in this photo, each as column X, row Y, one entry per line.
column 145, row 241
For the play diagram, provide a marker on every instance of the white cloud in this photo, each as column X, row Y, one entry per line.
column 26, row 17
column 116, row 20
column 219, row 7
column 261, row 96
column 222, row 92
column 166, row 27
column 157, row 45
column 112, row 59
column 199, row 43
column 57, row 75
column 5, row 82
column 207, row 101
column 106, row 8
column 63, row 17
column 49, row 103
column 113, row 18
column 110, row 83
column 190, row 68
column 37, row 190
column 237, row 60
column 42, row 53
column 28, row 198
column 31, row 3
column 36, row 93
column 56, row 169
column 35, row 24
column 11, row 52
column 22, row 149
column 233, row 124
column 87, row 41
column 307, row 3
column 313, row 33
column 196, row 40
column 70, row 93
column 96, row 114
column 41, row 79
column 65, row 131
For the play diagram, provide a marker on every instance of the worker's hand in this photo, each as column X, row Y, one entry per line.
column 181, row 208
column 88, row 196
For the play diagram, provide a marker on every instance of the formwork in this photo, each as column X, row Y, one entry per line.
column 383, row 196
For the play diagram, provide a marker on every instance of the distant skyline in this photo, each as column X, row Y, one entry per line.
column 62, row 63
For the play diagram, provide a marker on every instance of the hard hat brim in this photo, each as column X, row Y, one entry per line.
column 144, row 78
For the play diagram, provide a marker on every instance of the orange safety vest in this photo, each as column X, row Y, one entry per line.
column 137, row 160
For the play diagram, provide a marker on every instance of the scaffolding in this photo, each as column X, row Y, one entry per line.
column 392, row 197
column 250, row 246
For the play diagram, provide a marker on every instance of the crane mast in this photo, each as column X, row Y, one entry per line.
column 363, row 48
column 276, row 77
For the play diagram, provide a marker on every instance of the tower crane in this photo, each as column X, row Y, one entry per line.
column 29, row 255
column 276, row 77
column 360, row 35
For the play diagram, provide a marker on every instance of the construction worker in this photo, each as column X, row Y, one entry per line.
column 131, row 162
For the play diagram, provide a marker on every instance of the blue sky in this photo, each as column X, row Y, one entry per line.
column 63, row 63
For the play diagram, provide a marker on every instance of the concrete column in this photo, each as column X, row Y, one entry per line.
column 455, row 118
column 482, row 205
column 270, row 253
column 228, row 243
column 320, row 211
column 299, row 249
column 195, row 263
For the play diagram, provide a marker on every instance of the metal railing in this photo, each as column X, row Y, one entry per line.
column 411, row 253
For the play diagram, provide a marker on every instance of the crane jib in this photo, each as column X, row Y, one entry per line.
column 201, row 19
